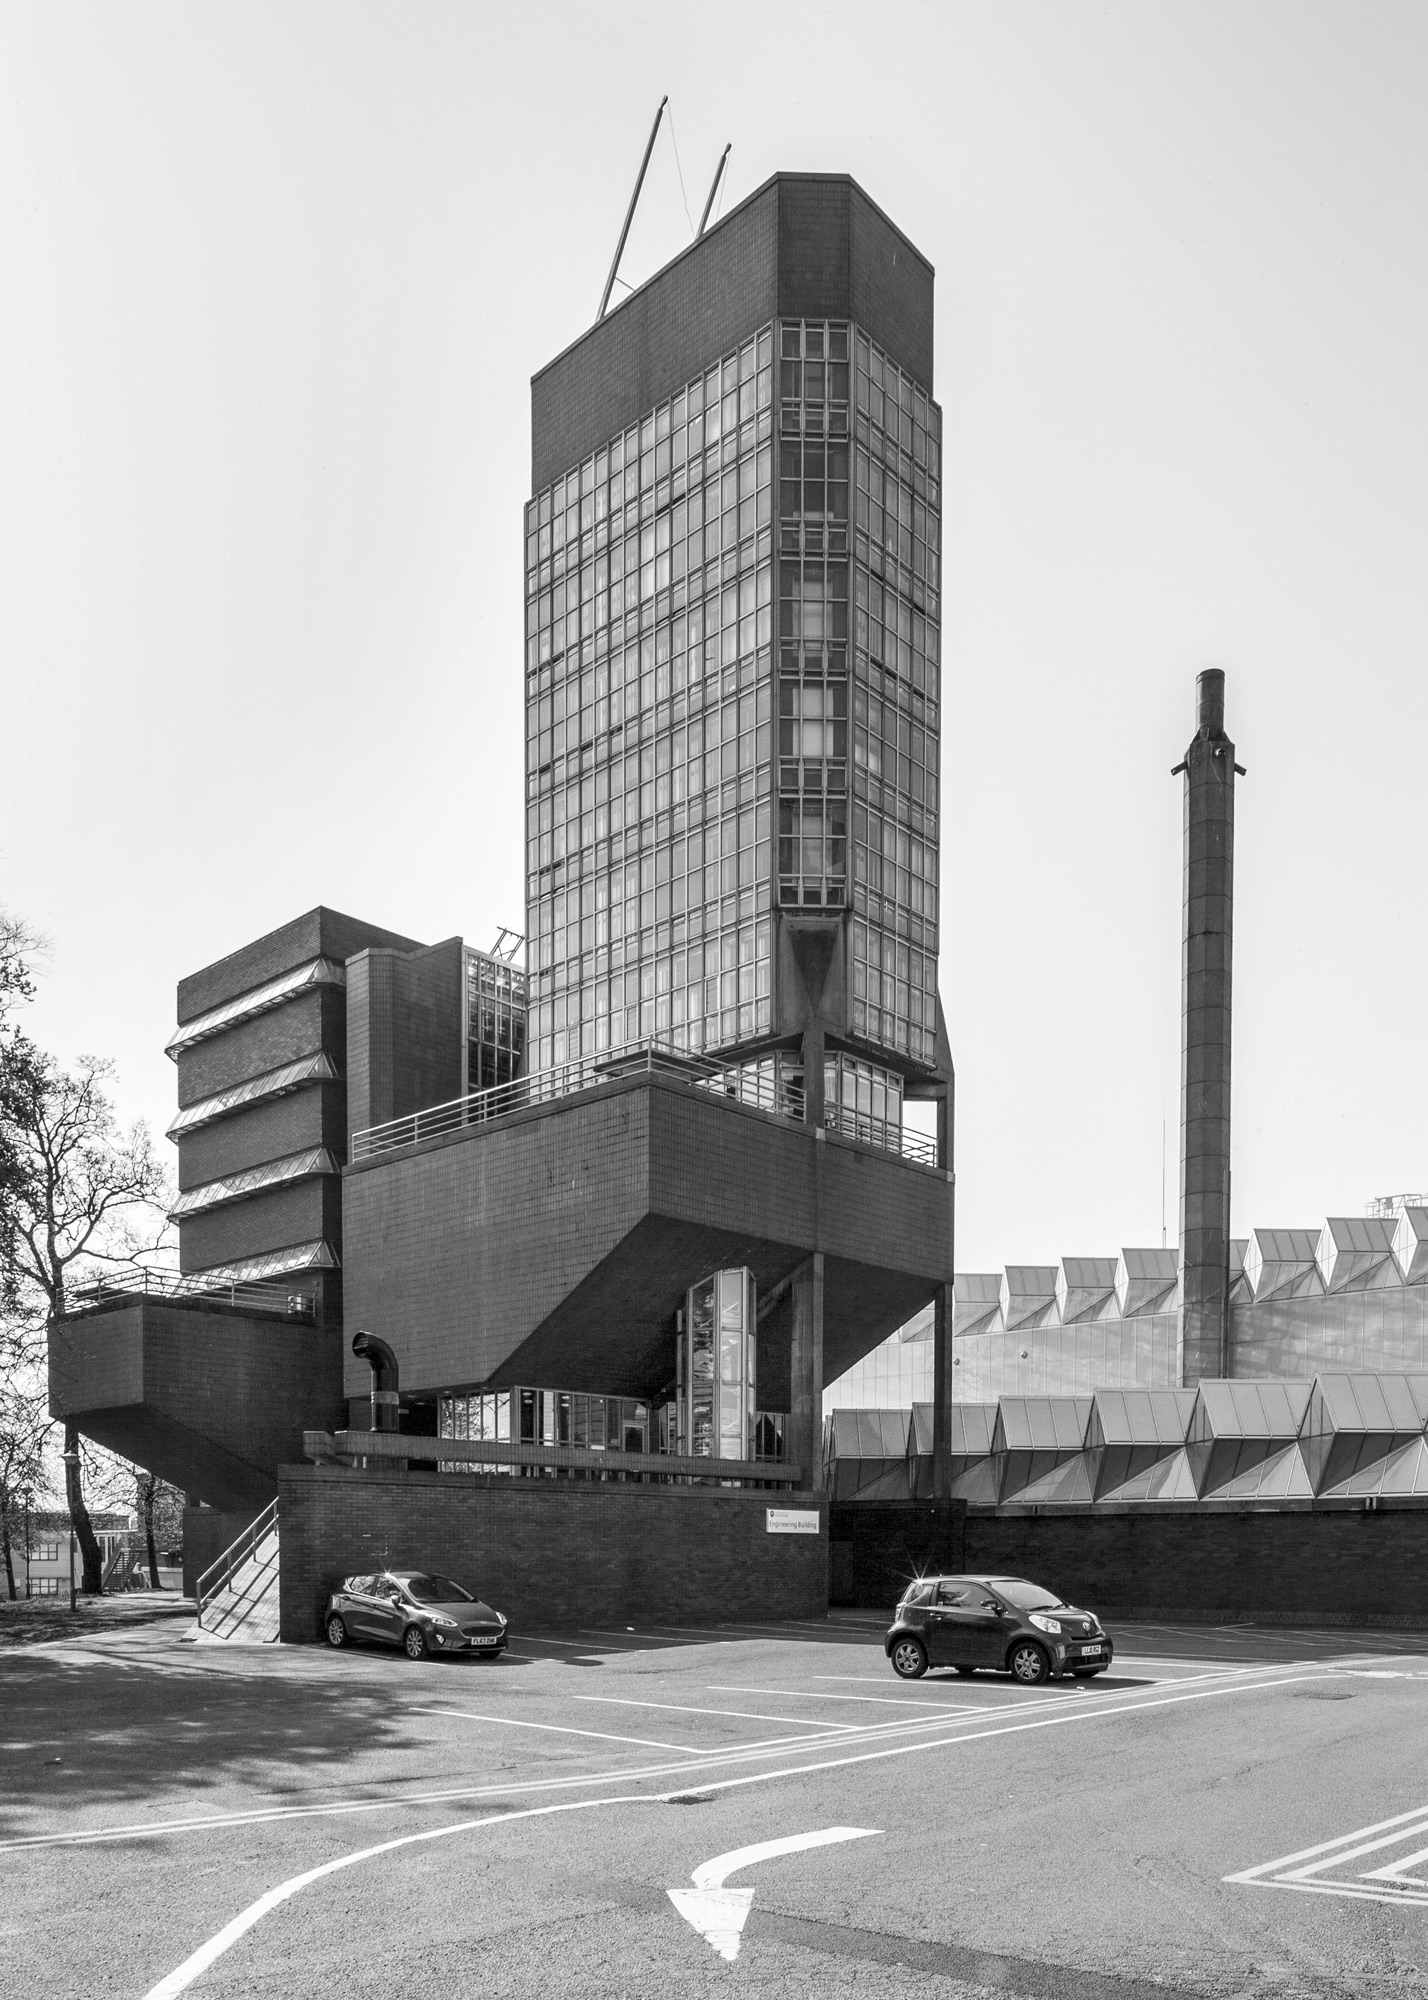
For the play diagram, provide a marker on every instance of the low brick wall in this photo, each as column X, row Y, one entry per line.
column 875, row 1548
column 553, row 1555
column 1300, row 1566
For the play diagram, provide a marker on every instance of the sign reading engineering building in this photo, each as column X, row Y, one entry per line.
column 791, row 1520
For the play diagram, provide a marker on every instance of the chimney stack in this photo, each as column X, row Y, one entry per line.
column 1209, row 821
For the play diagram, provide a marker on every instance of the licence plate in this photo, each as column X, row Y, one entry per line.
column 486, row 1642
column 1092, row 1649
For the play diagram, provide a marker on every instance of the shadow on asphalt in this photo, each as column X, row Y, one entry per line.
column 90, row 1729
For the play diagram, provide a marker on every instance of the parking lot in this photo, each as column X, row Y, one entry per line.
column 1229, row 1811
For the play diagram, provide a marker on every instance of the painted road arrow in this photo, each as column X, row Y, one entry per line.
column 719, row 1914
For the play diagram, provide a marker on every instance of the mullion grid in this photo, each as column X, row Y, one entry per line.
column 814, row 465
column 896, row 704
column 649, row 627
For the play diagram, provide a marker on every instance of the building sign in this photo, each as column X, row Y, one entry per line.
column 792, row 1520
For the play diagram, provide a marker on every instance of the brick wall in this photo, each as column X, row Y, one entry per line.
column 1305, row 1565
column 319, row 933
column 311, row 1116
column 313, row 1021
column 555, row 1248
column 210, row 1398
column 875, row 1550
column 305, row 1212
column 406, row 1031
column 803, row 245
column 551, row 1555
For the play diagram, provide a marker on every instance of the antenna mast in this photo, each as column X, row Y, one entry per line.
column 714, row 189
column 630, row 213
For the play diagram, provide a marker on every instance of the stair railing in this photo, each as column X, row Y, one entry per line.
column 219, row 1574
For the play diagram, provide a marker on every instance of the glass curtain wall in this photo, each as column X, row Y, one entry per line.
column 649, row 614
column 896, row 706
column 716, row 1369
column 495, row 1020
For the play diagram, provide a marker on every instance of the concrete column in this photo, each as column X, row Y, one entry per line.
column 1209, row 821
column 812, row 1056
column 941, row 1392
column 804, row 1445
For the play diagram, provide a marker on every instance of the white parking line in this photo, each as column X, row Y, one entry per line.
column 1306, row 1870
column 560, row 1729
column 199, row 1961
column 883, row 1700
column 184, row 1975
column 1049, row 1713
column 738, row 1714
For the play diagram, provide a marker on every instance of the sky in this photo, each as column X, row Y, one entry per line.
column 274, row 279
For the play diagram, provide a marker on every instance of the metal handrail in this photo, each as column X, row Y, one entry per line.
column 755, row 1083
column 234, row 1557
column 487, row 1453
column 748, row 1083
column 182, row 1285
column 882, row 1132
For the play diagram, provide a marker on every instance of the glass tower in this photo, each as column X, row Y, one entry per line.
column 733, row 708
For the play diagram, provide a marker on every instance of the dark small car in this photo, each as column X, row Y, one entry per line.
column 1002, row 1622
column 411, row 1608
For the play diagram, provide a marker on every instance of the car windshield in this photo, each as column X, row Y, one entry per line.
column 436, row 1590
column 1025, row 1596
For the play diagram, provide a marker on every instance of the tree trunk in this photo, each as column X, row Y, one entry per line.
column 9, row 1556
column 146, row 1501
column 93, row 1583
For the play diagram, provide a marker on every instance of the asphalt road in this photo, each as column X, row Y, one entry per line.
column 285, row 1821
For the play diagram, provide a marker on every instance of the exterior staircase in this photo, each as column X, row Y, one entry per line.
column 238, row 1595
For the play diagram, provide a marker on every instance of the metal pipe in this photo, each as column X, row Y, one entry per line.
column 713, row 190
column 386, row 1403
column 630, row 213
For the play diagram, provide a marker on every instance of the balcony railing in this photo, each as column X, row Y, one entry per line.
column 883, row 1132
column 757, row 1082
column 750, row 1083
column 176, row 1285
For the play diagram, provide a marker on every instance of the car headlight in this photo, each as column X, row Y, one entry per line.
column 1045, row 1624
column 440, row 1618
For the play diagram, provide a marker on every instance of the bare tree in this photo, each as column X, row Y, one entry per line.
column 25, row 1427
column 160, row 1514
column 82, row 1196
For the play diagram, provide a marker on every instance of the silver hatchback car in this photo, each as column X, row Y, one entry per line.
column 422, row 1613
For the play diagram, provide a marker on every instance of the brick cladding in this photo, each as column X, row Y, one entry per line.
column 1306, row 1564
column 551, row 1555
column 209, row 1398
column 319, row 933
column 306, row 1212
column 405, row 1032
column 556, row 1247
column 803, row 245
column 699, row 307
column 1298, row 1566
column 313, row 1022
column 311, row 1116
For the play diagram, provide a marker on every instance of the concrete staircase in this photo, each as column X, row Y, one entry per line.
column 238, row 1595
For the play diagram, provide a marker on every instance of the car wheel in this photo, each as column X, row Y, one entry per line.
column 1029, row 1664
column 909, row 1658
column 336, row 1631
column 414, row 1640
